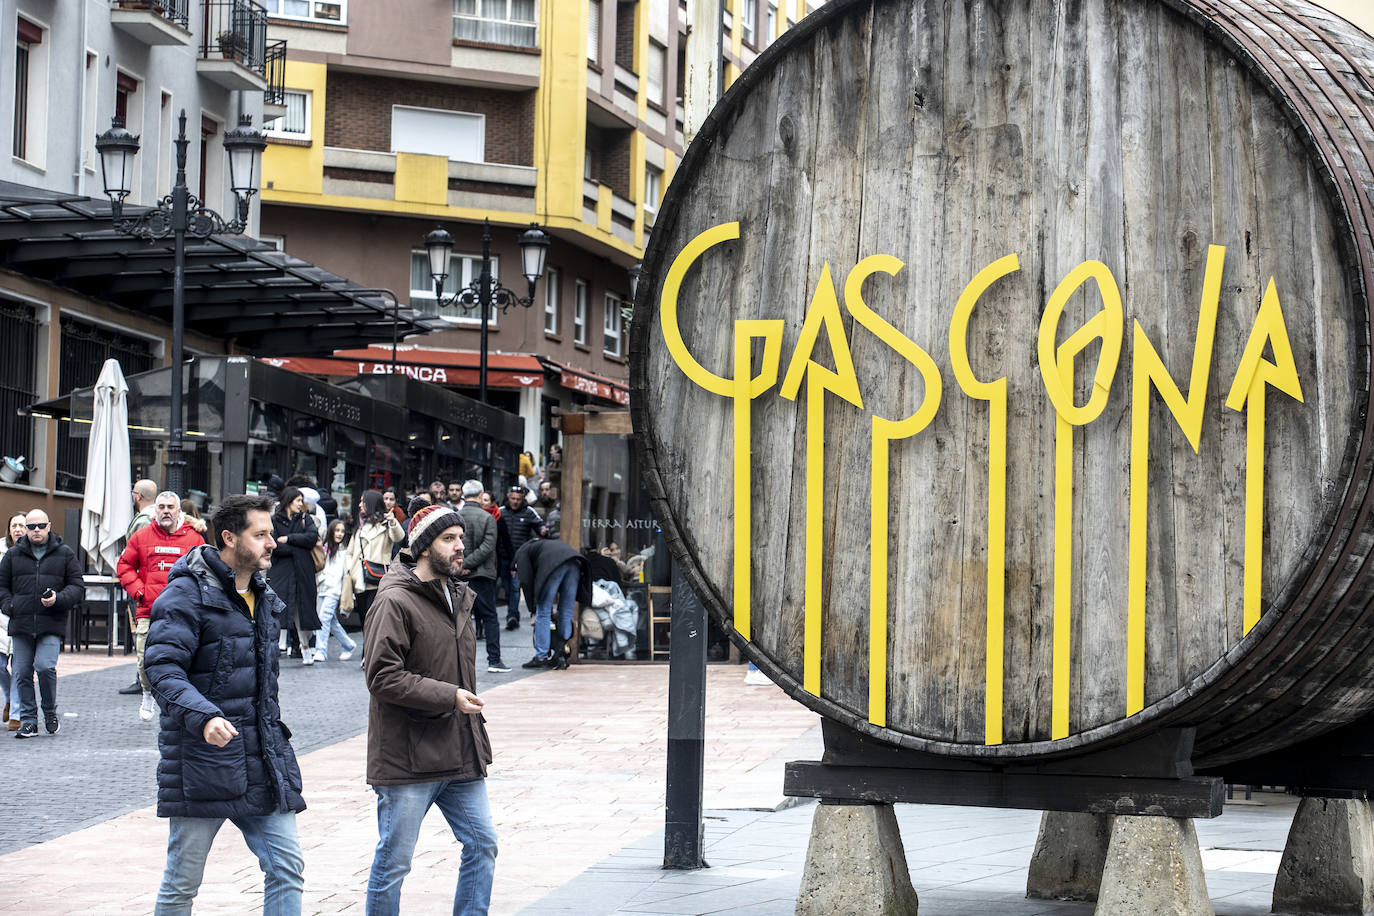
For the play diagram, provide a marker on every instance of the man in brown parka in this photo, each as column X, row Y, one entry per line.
column 426, row 742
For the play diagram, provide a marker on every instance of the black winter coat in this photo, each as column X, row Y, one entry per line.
column 535, row 563
column 292, row 575
column 513, row 529
column 207, row 657
column 24, row 578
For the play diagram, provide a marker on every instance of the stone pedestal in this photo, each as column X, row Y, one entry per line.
column 1070, row 851
column 855, row 863
column 1328, row 861
column 1153, row 868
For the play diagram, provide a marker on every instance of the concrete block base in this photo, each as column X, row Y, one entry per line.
column 1328, row 861
column 855, row 863
column 1153, row 868
column 1070, row 850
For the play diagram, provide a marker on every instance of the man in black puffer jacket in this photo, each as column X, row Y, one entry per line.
column 212, row 660
column 518, row 523
column 40, row 581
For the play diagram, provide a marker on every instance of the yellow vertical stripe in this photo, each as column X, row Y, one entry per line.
column 815, row 534
column 743, row 506
column 877, row 602
column 1063, row 564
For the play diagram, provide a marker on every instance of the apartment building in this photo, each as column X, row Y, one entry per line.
column 76, row 290
column 414, row 114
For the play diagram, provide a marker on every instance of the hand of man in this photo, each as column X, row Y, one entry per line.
column 48, row 601
column 469, row 702
column 219, row 731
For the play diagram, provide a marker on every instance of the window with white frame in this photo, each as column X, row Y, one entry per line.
column 580, row 312
column 770, row 26
column 295, row 124
column 316, row 10
column 30, row 138
column 91, row 91
column 594, row 31
column 611, row 326
column 458, row 135
column 552, row 277
column 653, row 181
column 502, row 22
column 278, row 242
column 749, row 17
column 462, row 270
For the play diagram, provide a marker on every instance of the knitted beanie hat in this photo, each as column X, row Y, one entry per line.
column 427, row 524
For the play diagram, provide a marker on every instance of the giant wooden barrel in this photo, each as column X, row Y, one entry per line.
column 1000, row 370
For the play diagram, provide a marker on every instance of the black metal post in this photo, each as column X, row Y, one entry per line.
column 684, row 843
column 180, row 195
column 484, row 303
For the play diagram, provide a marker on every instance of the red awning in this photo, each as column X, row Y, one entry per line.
column 590, row 383
column 443, row 367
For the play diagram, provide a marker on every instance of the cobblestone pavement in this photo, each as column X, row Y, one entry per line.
column 578, row 775
column 103, row 761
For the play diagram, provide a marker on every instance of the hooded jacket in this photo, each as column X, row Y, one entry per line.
column 207, row 657
column 23, row 579
column 536, row 561
column 148, row 558
column 417, row 653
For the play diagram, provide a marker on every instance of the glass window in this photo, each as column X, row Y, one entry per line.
column 266, row 421
column 657, row 64
column 653, row 180
column 319, row 10
column 551, row 291
column 21, row 99
column 611, row 337
column 462, row 270
column 459, row 135
column 580, row 313
column 594, row 31
column 295, row 124
column 503, row 22
column 18, row 346
column 771, row 26
column 749, row 17
column 310, row 434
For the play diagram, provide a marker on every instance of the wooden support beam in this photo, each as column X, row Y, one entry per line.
column 1194, row 796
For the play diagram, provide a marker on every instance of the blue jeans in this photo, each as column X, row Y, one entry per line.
column 272, row 838
column 400, row 809
column 29, row 654
column 329, row 623
column 562, row 583
column 6, row 679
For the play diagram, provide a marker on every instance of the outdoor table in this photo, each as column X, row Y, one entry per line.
column 111, row 586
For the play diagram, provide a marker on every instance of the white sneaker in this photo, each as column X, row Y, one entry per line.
column 320, row 656
column 345, row 656
column 146, row 709
column 309, row 657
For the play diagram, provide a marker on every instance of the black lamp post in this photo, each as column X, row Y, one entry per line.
column 484, row 292
column 179, row 214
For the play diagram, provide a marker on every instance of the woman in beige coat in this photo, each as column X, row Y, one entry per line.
column 377, row 532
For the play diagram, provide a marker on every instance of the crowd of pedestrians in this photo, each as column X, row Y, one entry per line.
column 210, row 599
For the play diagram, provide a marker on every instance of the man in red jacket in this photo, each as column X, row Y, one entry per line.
column 151, row 553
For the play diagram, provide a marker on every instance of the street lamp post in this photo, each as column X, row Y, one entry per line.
column 179, row 214
column 484, row 292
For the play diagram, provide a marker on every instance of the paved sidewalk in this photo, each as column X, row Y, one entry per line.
column 963, row 862
column 578, row 775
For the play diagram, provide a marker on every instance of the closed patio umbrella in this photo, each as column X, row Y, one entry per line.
column 107, row 508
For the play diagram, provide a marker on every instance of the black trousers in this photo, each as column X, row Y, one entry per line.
column 484, row 615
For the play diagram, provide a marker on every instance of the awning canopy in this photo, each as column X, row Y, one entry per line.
column 267, row 301
column 600, row 386
column 444, row 367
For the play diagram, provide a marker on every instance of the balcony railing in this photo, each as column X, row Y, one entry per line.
column 174, row 11
column 275, row 93
column 235, row 30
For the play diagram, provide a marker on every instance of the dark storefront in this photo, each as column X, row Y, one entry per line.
column 247, row 421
